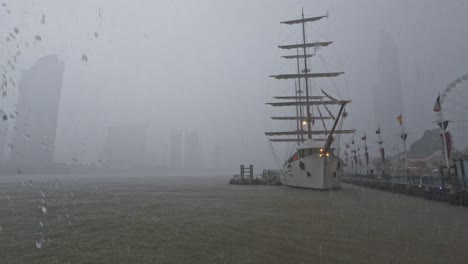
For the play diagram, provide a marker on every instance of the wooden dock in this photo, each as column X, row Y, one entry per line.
column 246, row 177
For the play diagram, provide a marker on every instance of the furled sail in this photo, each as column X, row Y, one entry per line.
column 309, row 103
column 302, row 20
column 299, row 118
column 306, row 45
column 299, row 97
column 294, row 139
column 297, row 56
column 306, row 75
column 314, row 132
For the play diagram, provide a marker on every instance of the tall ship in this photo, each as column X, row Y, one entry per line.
column 315, row 162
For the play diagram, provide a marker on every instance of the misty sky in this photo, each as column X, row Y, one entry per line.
column 204, row 65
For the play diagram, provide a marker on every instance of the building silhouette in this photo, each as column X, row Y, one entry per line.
column 185, row 150
column 34, row 132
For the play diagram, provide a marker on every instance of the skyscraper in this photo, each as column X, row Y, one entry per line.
column 35, row 127
column 185, row 149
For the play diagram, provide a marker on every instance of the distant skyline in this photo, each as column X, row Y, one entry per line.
column 203, row 65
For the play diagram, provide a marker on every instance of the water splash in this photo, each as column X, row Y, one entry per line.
column 44, row 209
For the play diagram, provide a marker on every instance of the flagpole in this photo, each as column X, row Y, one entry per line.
column 380, row 150
column 403, row 137
column 366, row 154
column 442, row 128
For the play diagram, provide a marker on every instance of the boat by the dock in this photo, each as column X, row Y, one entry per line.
column 316, row 163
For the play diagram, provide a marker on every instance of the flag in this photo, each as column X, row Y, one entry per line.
column 382, row 154
column 364, row 137
column 378, row 131
column 443, row 125
column 437, row 106
column 400, row 119
column 404, row 136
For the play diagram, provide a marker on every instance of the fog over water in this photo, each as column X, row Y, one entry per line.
column 204, row 65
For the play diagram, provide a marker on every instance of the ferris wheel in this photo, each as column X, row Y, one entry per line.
column 454, row 102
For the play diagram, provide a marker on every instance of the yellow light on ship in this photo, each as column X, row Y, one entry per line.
column 321, row 150
column 304, row 122
column 328, row 154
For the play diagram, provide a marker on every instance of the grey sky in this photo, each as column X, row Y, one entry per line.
column 204, row 65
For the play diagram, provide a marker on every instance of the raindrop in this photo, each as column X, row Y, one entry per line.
column 43, row 19
column 30, row 182
column 12, row 35
column 39, row 243
column 37, row 38
column 16, row 30
column 44, row 209
column 84, row 58
column 8, row 39
column 27, row 137
column 43, row 145
column 4, row 94
column 59, row 217
column 75, row 160
column 43, row 194
column 1, row 228
column 96, row 35
column 5, row 117
column 10, row 147
column 41, row 224
column 20, row 172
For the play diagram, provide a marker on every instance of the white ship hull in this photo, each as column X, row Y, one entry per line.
column 314, row 172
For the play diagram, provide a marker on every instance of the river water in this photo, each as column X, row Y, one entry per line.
column 188, row 219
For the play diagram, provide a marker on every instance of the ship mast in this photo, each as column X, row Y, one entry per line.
column 298, row 94
column 306, row 100
column 306, row 70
